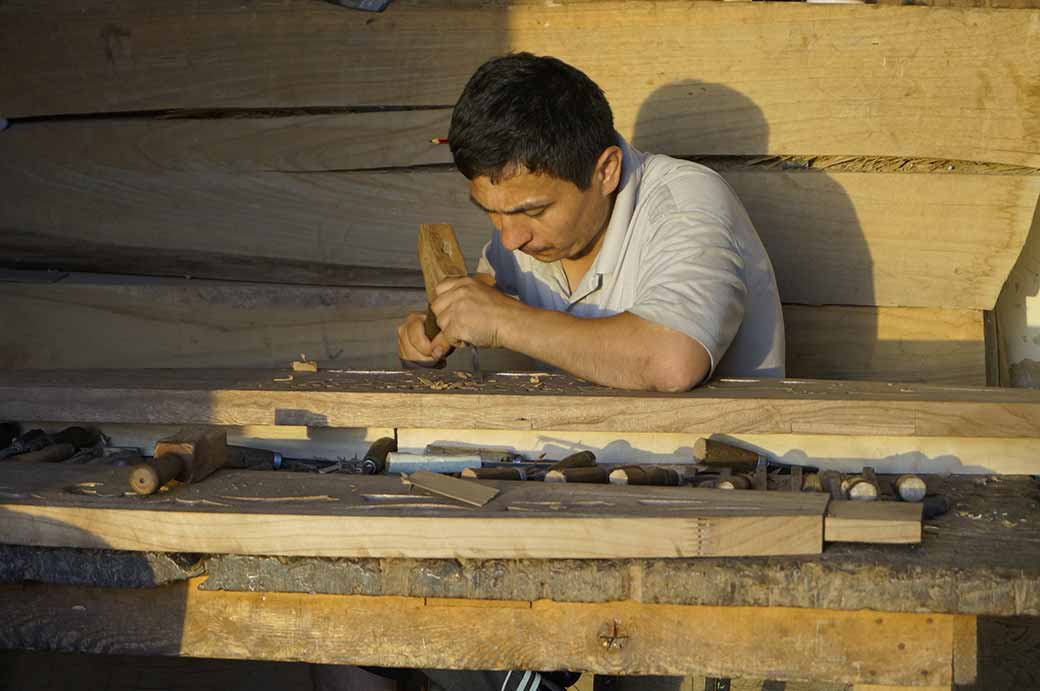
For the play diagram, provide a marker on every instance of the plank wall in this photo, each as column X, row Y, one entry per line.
column 280, row 150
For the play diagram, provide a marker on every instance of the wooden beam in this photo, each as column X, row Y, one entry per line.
column 181, row 323
column 337, row 398
column 607, row 638
column 886, row 239
column 753, row 90
column 248, row 512
column 892, row 522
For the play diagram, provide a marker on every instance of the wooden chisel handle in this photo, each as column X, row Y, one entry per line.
column 430, row 326
column 148, row 477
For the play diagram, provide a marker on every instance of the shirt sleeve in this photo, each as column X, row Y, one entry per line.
column 692, row 280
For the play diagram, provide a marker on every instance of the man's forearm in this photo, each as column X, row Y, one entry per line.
column 622, row 351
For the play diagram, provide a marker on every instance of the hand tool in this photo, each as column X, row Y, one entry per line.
column 645, row 475
column 499, row 473
column 440, row 257
column 189, row 455
column 36, row 439
column 910, row 487
column 248, row 457
column 715, row 453
column 48, row 454
column 596, row 474
column 863, row 487
column 374, row 462
column 413, row 462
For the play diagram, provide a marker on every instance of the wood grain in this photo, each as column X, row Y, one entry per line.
column 212, row 324
column 892, row 522
column 886, row 239
column 266, row 513
column 721, row 78
column 339, row 398
column 429, row 633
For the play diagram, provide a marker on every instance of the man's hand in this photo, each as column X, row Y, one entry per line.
column 471, row 310
column 413, row 346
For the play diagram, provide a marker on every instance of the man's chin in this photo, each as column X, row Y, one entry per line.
column 547, row 255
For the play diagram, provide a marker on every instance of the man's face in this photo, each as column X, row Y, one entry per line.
column 545, row 217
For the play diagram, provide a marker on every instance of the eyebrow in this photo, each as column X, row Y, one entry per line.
column 518, row 209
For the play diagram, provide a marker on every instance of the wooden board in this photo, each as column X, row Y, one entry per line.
column 888, row 239
column 338, row 398
column 181, row 323
column 848, row 80
column 304, row 514
column 892, row 522
column 431, row 633
column 915, row 344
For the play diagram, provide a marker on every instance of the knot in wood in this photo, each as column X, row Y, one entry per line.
column 612, row 636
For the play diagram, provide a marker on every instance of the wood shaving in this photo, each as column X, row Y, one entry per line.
column 194, row 502
column 284, row 379
column 314, row 497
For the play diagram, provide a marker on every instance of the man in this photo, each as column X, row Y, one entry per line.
column 629, row 270
column 633, row 271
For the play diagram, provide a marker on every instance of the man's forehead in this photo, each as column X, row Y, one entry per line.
column 519, row 189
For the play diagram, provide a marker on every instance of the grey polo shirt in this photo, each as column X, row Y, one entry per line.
column 679, row 251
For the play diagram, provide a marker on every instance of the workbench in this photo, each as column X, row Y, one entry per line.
column 895, row 615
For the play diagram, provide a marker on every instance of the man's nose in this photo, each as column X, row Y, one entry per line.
column 513, row 234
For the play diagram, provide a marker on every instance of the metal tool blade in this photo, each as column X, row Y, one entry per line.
column 478, row 374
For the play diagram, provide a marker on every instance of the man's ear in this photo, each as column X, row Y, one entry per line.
column 608, row 170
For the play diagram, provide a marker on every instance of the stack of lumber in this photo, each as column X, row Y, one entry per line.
column 205, row 141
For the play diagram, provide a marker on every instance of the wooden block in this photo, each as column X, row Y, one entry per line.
column 885, row 522
column 440, row 256
column 466, row 491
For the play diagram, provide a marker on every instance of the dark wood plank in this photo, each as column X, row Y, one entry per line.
column 447, row 400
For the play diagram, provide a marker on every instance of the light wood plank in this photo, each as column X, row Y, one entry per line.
column 885, row 239
column 180, row 323
column 427, row 633
column 892, row 522
column 259, row 512
column 937, row 346
column 338, row 398
column 836, row 79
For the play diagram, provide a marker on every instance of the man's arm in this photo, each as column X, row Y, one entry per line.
column 623, row 351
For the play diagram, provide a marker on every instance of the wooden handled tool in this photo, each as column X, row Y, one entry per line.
column 713, row 452
column 188, row 456
column 440, row 257
column 645, row 475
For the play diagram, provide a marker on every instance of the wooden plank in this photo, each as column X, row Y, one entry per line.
column 892, row 522
column 468, row 491
column 340, row 398
column 754, row 89
column 887, row 239
column 261, row 512
column 210, row 324
column 425, row 633
column 937, row 346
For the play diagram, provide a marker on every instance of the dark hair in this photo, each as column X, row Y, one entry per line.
column 530, row 111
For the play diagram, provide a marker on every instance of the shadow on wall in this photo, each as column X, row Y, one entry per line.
column 804, row 218
column 1018, row 316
